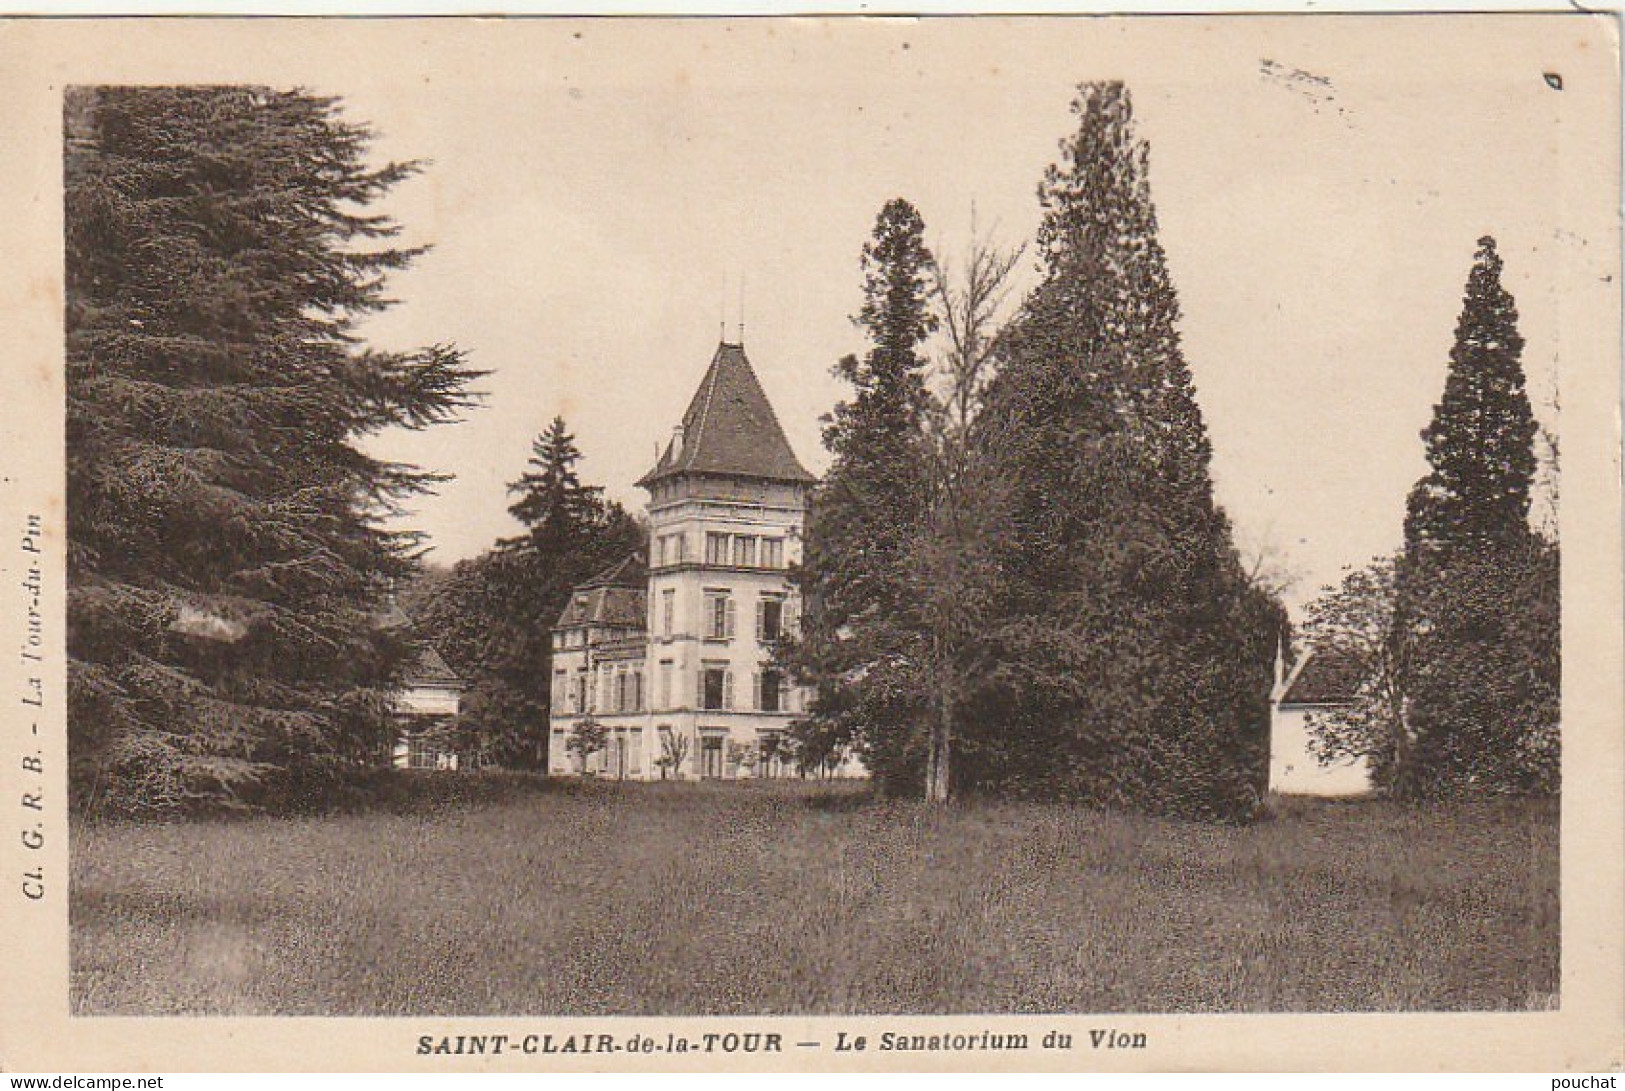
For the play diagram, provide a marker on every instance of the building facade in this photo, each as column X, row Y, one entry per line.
column 673, row 655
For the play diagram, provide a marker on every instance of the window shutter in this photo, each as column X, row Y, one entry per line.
column 761, row 621
column 756, row 691
column 699, row 692
column 728, row 631
column 728, row 689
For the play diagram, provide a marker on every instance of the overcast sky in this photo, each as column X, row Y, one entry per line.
column 600, row 190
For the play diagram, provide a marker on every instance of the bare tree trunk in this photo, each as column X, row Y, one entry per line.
column 936, row 787
column 938, row 749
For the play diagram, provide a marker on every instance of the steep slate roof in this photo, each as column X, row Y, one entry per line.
column 616, row 596
column 629, row 571
column 431, row 670
column 730, row 428
column 1328, row 676
column 618, row 606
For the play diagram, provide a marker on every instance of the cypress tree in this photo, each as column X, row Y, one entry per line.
column 227, row 562
column 1135, row 659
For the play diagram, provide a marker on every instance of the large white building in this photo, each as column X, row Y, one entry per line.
column 673, row 654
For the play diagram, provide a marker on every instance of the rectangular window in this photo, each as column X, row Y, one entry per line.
column 636, row 764
column 637, row 689
column 716, row 548
column 769, row 619
column 561, row 691
column 719, row 615
column 770, row 691
column 668, row 611
column 711, row 756
column 665, row 683
column 623, row 691
column 744, row 551
column 772, row 553
column 579, row 704
column 716, row 686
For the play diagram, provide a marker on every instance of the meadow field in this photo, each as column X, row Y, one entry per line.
column 504, row 896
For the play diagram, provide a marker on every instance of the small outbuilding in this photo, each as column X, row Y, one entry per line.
column 431, row 695
column 1320, row 682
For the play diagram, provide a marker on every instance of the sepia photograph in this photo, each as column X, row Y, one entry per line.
column 812, row 527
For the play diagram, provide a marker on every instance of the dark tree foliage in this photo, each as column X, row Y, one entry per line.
column 860, row 631
column 1477, row 617
column 226, row 559
column 1135, row 659
column 1481, row 441
column 552, row 503
column 1482, row 666
column 493, row 615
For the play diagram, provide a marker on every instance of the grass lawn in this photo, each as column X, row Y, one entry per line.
column 588, row 899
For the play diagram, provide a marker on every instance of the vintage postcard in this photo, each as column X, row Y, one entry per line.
column 1034, row 543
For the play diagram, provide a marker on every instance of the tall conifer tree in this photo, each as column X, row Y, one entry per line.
column 494, row 614
column 1480, row 443
column 552, row 502
column 1477, row 614
column 226, row 557
column 1136, row 656
column 861, row 628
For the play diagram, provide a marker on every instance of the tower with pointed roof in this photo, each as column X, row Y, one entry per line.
column 727, row 503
